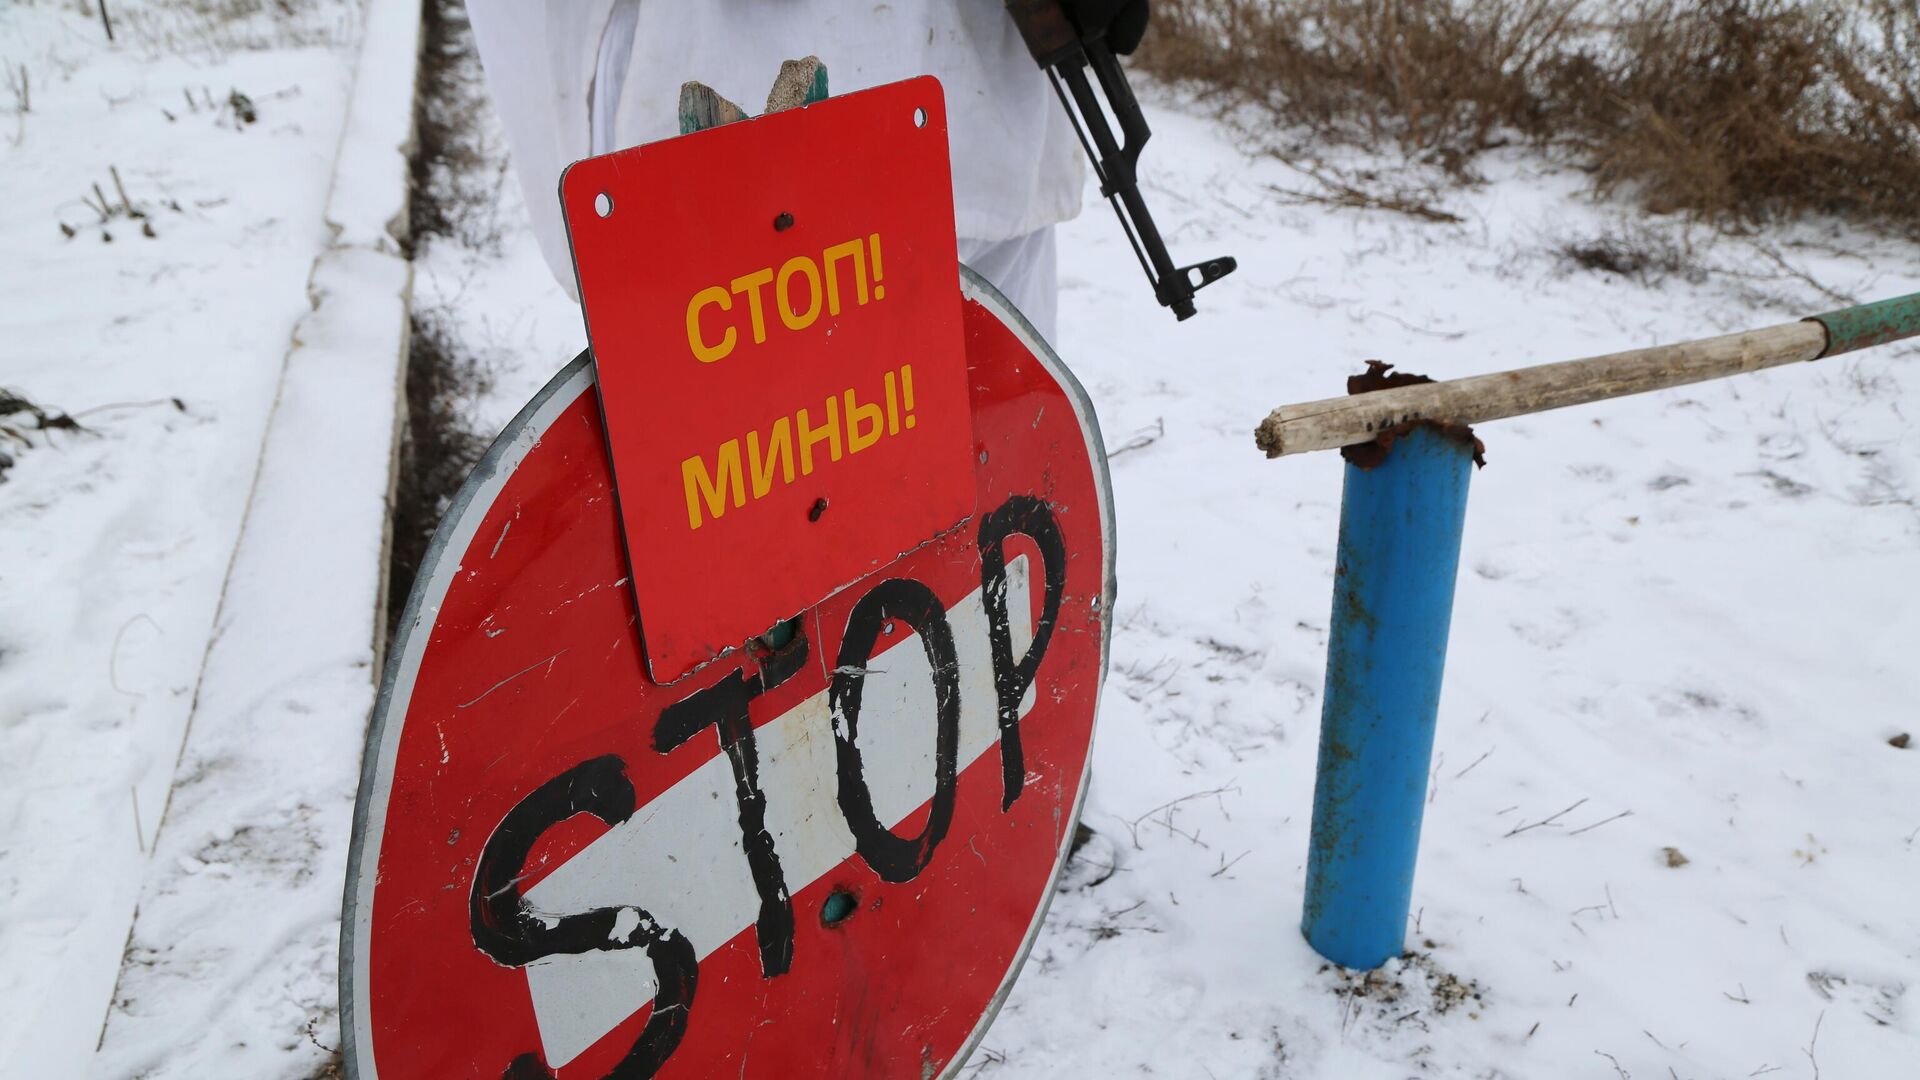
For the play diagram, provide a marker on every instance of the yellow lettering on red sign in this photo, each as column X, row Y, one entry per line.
column 799, row 264
column 700, row 482
column 851, row 260
column 702, row 351
column 851, row 426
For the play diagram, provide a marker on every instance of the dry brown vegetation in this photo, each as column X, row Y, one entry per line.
column 211, row 28
column 455, row 176
column 1735, row 111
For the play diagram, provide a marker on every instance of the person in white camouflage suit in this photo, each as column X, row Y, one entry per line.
column 575, row 78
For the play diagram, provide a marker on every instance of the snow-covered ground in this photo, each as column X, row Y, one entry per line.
column 165, row 335
column 1685, row 622
column 192, row 581
column 1688, row 616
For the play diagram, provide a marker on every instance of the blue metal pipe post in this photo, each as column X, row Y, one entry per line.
column 1400, row 525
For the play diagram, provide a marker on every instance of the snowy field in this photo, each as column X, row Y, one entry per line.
column 161, row 208
column 1667, row 836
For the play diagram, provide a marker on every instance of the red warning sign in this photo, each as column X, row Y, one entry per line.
column 822, row 861
column 776, row 328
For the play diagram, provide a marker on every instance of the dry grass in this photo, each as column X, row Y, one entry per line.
column 21, row 422
column 438, row 445
column 1735, row 111
column 213, row 28
column 1637, row 252
column 454, row 201
column 1440, row 78
column 458, row 169
column 1754, row 109
column 1368, row 190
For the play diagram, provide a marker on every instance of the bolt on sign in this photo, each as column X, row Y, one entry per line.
column 777, row 337
column 823, row 859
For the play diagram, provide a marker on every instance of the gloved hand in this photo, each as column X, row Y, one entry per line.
column 1123, row 21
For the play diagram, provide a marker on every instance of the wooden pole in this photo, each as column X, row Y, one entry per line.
column 1345, row 421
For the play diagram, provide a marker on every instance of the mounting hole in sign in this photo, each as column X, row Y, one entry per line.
column 838, row 908
column 603, row 204
column 919, row 118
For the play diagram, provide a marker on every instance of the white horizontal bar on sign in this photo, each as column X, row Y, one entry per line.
column 680, row 856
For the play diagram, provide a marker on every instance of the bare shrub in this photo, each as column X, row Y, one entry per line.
column 218, row 27
column 22, row 422
column 1436, row 77
column 1636, row 252
column 1366, row 189
column 1753, row 109
column 19, row 86
column 1735, row 111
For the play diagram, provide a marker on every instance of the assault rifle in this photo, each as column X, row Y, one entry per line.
column 1067, row 56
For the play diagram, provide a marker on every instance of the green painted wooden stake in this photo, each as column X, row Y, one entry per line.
column 702, row 107
column 800, row 82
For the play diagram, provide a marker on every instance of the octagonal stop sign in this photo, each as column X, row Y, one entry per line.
column 822, row 859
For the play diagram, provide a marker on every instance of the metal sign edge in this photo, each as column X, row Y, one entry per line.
column 457, row 528
column 977, row 288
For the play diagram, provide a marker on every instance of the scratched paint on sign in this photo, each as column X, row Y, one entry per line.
column 579, row 998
